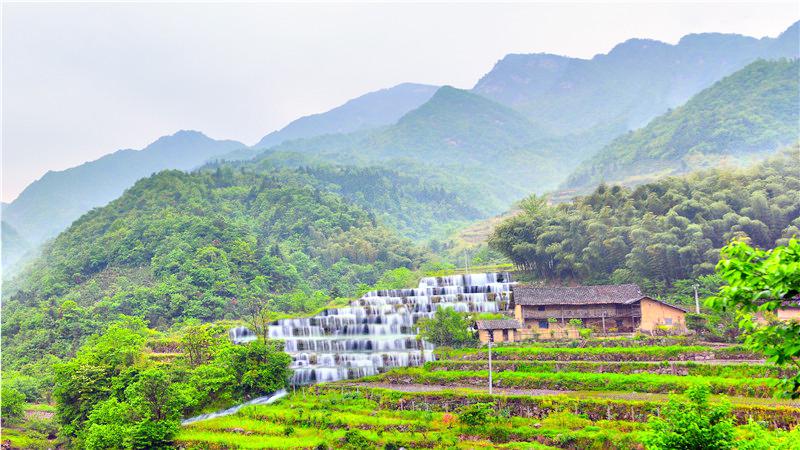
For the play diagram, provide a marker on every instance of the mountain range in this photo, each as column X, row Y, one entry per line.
column 749, row 113
column 48, row 205
column 624, row 89
column 524, row 127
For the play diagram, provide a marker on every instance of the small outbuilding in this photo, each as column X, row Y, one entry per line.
column 498, row 330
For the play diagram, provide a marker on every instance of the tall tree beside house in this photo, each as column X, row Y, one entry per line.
column 761, row 282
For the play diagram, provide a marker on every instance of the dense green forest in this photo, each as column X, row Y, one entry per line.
column 658, row 233
column 182, row 246
column 415, row 207
column 488, row 152
column 754, row 110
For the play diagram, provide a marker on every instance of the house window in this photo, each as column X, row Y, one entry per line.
column 668, row 321
column 541, row 308
column 544, row 324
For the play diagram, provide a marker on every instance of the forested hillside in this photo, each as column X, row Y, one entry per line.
column 469, row 144
column 182, row 246
column 753, row 111
column 49, row 205
column 657, row 233
column 13, row 246
column 624, row 89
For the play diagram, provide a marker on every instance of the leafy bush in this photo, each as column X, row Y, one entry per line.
column 692, row 425
column 12, row 405
column 447, row 328
column 499, row 435
column 477, row 414
column 353, row 439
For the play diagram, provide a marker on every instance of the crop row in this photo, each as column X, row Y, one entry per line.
column 323, row 417
column 594, row 408
column 571, row 381
column 534, row 353
column 733, row 370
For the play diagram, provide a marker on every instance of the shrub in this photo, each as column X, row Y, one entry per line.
column 585, row 333
column 697, row 322
column 12, row 405
column 447, row 328
column 577, row 323
column 499, row 435
column 476, row 414
column 692, row 425
column 353, row 439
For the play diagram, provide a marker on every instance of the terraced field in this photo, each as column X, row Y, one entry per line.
column 544, row 396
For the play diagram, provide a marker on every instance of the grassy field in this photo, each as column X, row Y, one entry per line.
column 595, row 396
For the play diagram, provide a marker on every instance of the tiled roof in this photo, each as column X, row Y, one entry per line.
column 581, row 295
column 499, row 324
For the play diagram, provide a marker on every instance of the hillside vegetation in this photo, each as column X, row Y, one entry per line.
column 182, row 246
column 752, row 111
column 50, row 204
column 468, row 144
column 657, row 233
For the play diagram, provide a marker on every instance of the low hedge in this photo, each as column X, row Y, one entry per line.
column 780, row 417
column 736, row 370
column 573, row 381
column 673, row 353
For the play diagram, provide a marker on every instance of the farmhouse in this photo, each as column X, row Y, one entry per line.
column 502, row 330
column 547, row 311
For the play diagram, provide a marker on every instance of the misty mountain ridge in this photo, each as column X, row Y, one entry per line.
column 625, row 88
column 745, row 115
column 51, row 203
column 371, row 110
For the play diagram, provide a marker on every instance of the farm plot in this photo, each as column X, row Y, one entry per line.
column 544, row 397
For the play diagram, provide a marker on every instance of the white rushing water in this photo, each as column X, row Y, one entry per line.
column 265, row 400
column 377, row 332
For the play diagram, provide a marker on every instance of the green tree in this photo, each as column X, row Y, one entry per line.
column 12, row 405
column 692, row 425
column 197, row 343
column 447, row 328
column 761, row 282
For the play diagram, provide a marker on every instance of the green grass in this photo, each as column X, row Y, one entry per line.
column 24, row 439
column 324, row 415
column 571, row 381
column 643, row 353
column 733, row 370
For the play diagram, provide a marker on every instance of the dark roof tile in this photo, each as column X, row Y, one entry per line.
column 498, row 324
column 580, row 295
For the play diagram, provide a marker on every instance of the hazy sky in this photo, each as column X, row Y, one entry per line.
column 83, row 80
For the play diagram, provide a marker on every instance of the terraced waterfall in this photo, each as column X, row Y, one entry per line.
column 377, row 332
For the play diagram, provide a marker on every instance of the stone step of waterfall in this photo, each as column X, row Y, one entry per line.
column 378, row 332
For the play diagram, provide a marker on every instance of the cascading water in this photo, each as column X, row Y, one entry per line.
column 377, row 332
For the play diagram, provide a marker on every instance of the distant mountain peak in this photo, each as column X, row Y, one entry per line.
column 628, row 86
column 371, row 110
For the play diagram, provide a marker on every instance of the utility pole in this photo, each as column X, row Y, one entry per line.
column 490, row 365
column 696, row 300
